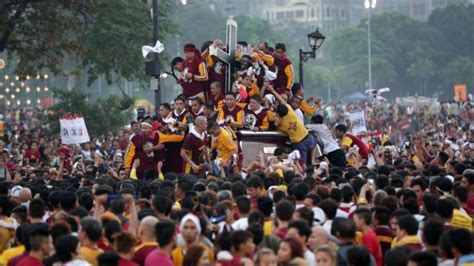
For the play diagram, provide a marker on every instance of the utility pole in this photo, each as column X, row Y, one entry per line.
column 152, row 67
column 156, row 55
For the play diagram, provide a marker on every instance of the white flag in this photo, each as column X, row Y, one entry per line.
column 158, row 48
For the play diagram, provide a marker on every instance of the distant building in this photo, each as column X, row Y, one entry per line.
column 328, row 15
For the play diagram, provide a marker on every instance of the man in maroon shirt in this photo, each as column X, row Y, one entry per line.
column 256, row 116
column 284, row 79
column 147, row 236
column 41, row 245
column 217, row 97
column 145, row 147
column 194, row 146
column 468, row 183
column 381, row 227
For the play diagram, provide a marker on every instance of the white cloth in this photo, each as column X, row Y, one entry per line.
column 319, row 216
column 241, row 224
column 190, row 217
column 342, row 214
column 324, row 134
column 300, row 115
column 310, row 258
column 158, row 48
column 77, row 262
column 327, row 226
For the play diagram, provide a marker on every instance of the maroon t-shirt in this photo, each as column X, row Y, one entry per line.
column 363, row 149
column 124, row 262
column 15, row 260
column 194, row 146
column 30, row 261
column 385, row 236
column 141, row 254
column 147, row 160
column 217, row 100
column 192, row 87
column 254, row 119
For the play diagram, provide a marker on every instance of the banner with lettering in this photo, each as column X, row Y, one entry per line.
column 357, row 119
column 73, row 129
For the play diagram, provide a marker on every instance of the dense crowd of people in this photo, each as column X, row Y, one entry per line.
column 172, row 189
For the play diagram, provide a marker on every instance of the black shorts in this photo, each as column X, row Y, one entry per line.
column 337, row 158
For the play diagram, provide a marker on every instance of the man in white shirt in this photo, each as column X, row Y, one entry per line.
column 243, row 205
column 331, row 149
column 295, row 104
column 300, row 230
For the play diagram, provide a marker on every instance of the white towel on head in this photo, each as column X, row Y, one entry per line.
column 190, row 217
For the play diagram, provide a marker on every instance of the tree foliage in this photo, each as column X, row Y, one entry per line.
column 409, row 56
column 102, row 37
column 100, row 115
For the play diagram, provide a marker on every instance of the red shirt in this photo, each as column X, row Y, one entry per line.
column 33, row 156
column 470, row 201
column 123, row 144
column 158, row 257
column 30, row 261
column 372, row 243
column 281, row 232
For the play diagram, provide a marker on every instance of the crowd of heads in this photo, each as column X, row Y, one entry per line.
column 402, row 193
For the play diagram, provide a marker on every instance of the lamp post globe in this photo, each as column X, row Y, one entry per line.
column 315, row 39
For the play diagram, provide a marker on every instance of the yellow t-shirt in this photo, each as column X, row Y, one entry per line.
column 6, row 234
column 91, row 254
column 346, row 141
column 8, row 254
column 178, row 255
column 292, row 126
column 461, row 220
column 267, row 228
column 308, row 110
column 225, row 145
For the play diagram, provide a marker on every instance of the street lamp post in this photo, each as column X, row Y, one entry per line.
column 369, row 4
column 315, row 40
column 152, row 68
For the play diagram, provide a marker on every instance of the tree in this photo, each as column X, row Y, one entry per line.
column 102, row 37
column 459, row 70
column 348, row 56
column 454, row 23
column 410, row 47
column 100, row 115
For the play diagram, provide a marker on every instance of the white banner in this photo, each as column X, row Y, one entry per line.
column 357, row 119
column 73, row 130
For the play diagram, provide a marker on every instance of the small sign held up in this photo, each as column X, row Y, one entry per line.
column 73, row 130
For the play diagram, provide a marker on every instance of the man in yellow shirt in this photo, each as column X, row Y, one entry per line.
column 10, row 253
column 223, row 142
column 6, row 232
column 304, row 104
column 288, row 123
column 89, row 234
